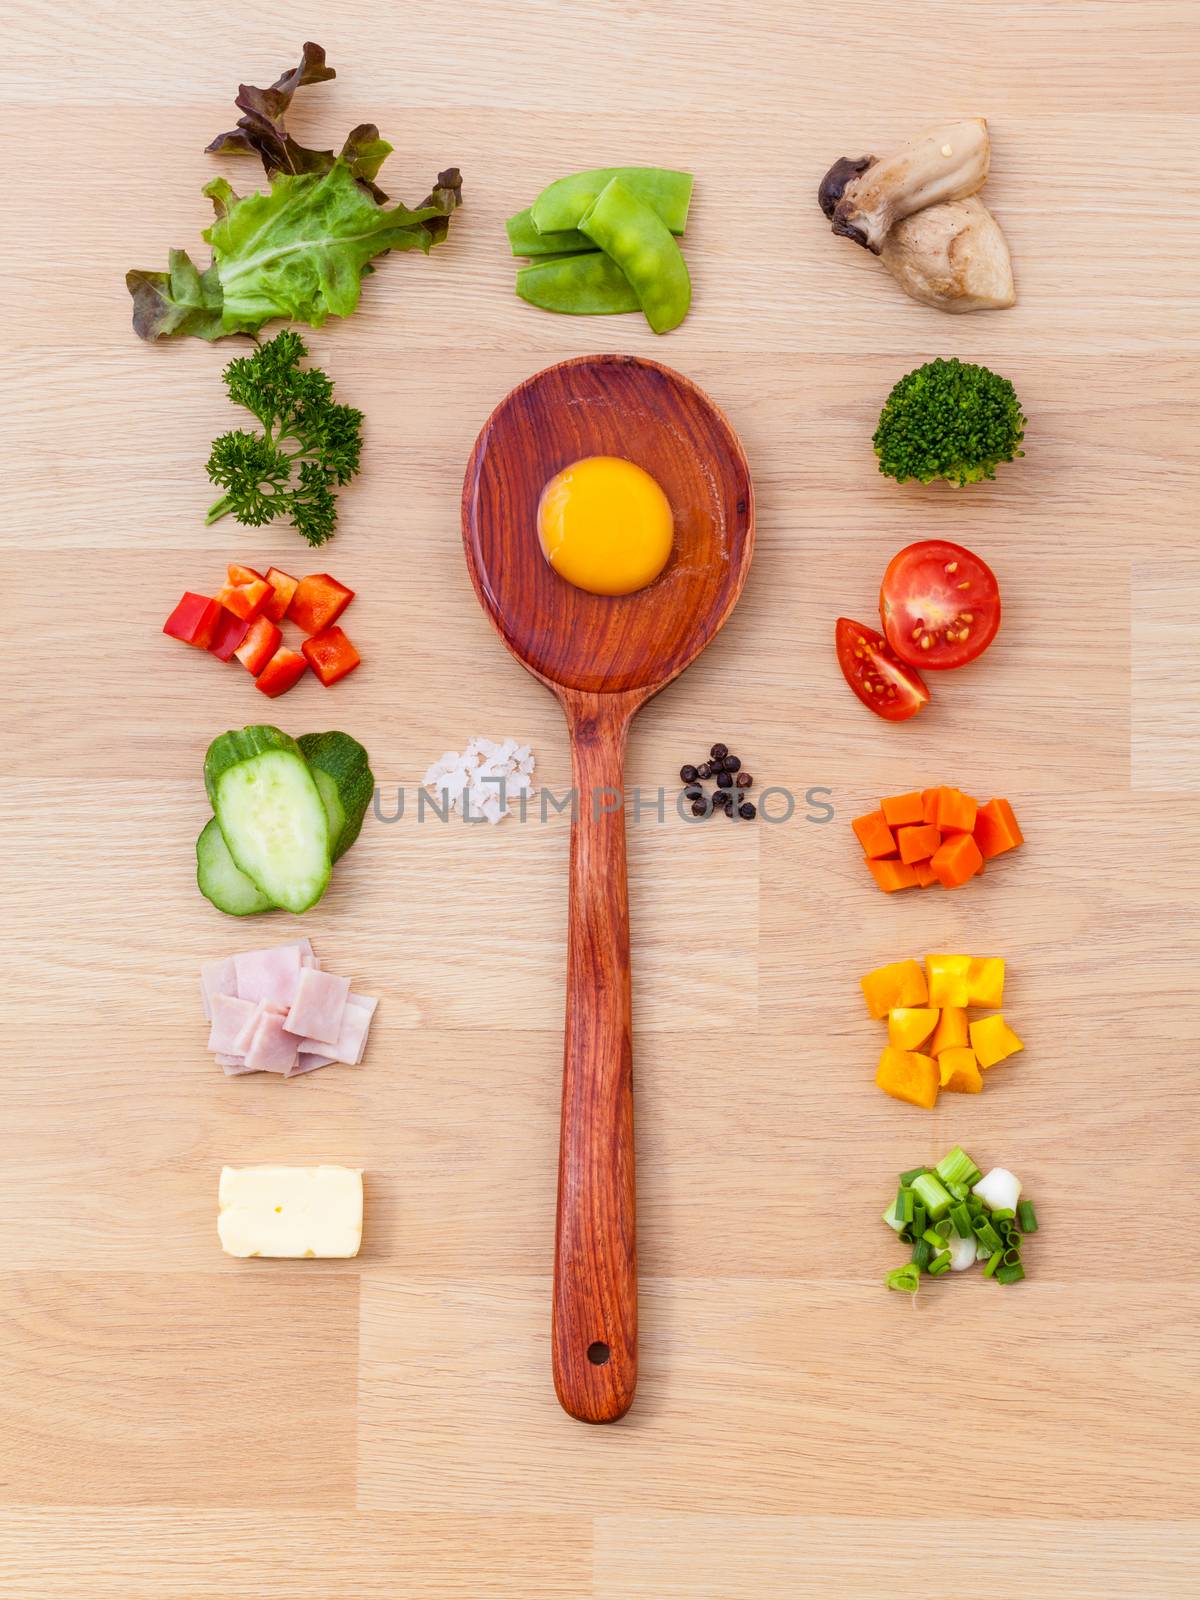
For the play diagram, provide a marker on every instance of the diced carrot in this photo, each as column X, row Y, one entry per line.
column 955, row 811
column 996, row 829
column 929, row 804
column 925, row 874
column 893, row 875
column 909, row 1075
column 957, row 859
column 873, row 833
column 899, row 809
column 918, row 844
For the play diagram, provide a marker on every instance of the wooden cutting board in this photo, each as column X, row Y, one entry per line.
column 177, row 1424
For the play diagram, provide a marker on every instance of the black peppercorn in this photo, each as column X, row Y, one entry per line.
column 744, row 780
column 732, row 763
column 747, row 810
column 688, row 774
column 704, row 770
column 699, row 808
column 719, row 752
column 725, row 780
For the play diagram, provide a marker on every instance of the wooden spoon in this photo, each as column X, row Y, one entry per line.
column 603, row 657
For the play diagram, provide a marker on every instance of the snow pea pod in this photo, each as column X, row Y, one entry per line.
column 562, row 204
column 589, row 285
column 525, row 240
column 639, row 241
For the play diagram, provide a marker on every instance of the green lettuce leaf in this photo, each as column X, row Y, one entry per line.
column 177, row 302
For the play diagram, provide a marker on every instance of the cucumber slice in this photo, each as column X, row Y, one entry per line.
column 346, row 783
column 220, row 881
column 270, row 814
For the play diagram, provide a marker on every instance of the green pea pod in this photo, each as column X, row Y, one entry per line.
column 525, row 240
column 563, row 204
column 589, row 285
column 640, row 243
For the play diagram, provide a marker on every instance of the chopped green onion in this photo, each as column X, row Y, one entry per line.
column 1013, row 1239
column 1011, row 1257
column 921, row 1255
column 891, row 1219
column 961, row 1218
column 919, row 1220
column 958, row 1190
column 993, row 1261
column 957, row 1167
column 1012, row 1274
column 1005, row 1214
column 904, row 1205
column 907, row 1279
column 906, row 1178
column 939, row 1264
column 934, row 1239
column 987, row 1235
column 931, row 1195
column 1028, row 1217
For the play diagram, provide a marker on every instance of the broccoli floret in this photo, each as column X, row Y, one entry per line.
column 949, row 419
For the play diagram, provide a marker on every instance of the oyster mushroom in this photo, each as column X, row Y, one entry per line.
column 947, row 163
column 952, row 256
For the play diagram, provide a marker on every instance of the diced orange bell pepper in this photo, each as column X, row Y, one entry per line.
column 245, row 600
column 925, row 874
column 283, row 670
column 947, row 980
column 985, row 982
column 929, row 805
column 951, row 1030
column 955, row 811
column 873, row 833
column 330, row 655
column 238, row 575
column 993, row 1040
column 908, row 1075
column 902, row 983
column 259, row 645
column 919, row 843
column 284, row 587
column 956, row 860
column 996, row 829
column 193, row 620
column 318, row 602
column 892, row 875
column 227, row 635
column 958, row 1070
column 910, row 1026
column 899, row 810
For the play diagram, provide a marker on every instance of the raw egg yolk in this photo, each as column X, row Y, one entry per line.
column 605, row 525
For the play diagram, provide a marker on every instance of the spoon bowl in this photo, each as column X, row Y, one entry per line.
column 603, row 657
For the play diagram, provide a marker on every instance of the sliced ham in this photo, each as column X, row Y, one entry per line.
column 316, row 1012
column 269, row 975
column 272, row 1048
column 216, row 977
column 230, row 1019
column 352, row 1041
column 234, row 1066
column 310, row 1063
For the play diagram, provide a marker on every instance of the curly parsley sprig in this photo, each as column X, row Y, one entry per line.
column 309, row 444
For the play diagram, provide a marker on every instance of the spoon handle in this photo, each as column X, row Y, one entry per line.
column 595, row 1263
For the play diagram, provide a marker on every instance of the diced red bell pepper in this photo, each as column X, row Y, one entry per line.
column 330, row 655
column 259, row 645
column 281, row 672
column 193, row 620
column 318, row 602
column 284, row 587
column 245, row 600
column 238, row 575
column 228, row 635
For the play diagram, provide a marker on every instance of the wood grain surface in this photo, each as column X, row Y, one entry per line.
column 175, row 1425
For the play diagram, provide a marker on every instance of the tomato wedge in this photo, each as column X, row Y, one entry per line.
column 869, row 665
column 940, row 605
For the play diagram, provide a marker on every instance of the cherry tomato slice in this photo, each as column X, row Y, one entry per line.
column 940, row 605
column 869, row 665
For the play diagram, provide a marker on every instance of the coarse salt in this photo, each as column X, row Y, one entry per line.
column 484, row 780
